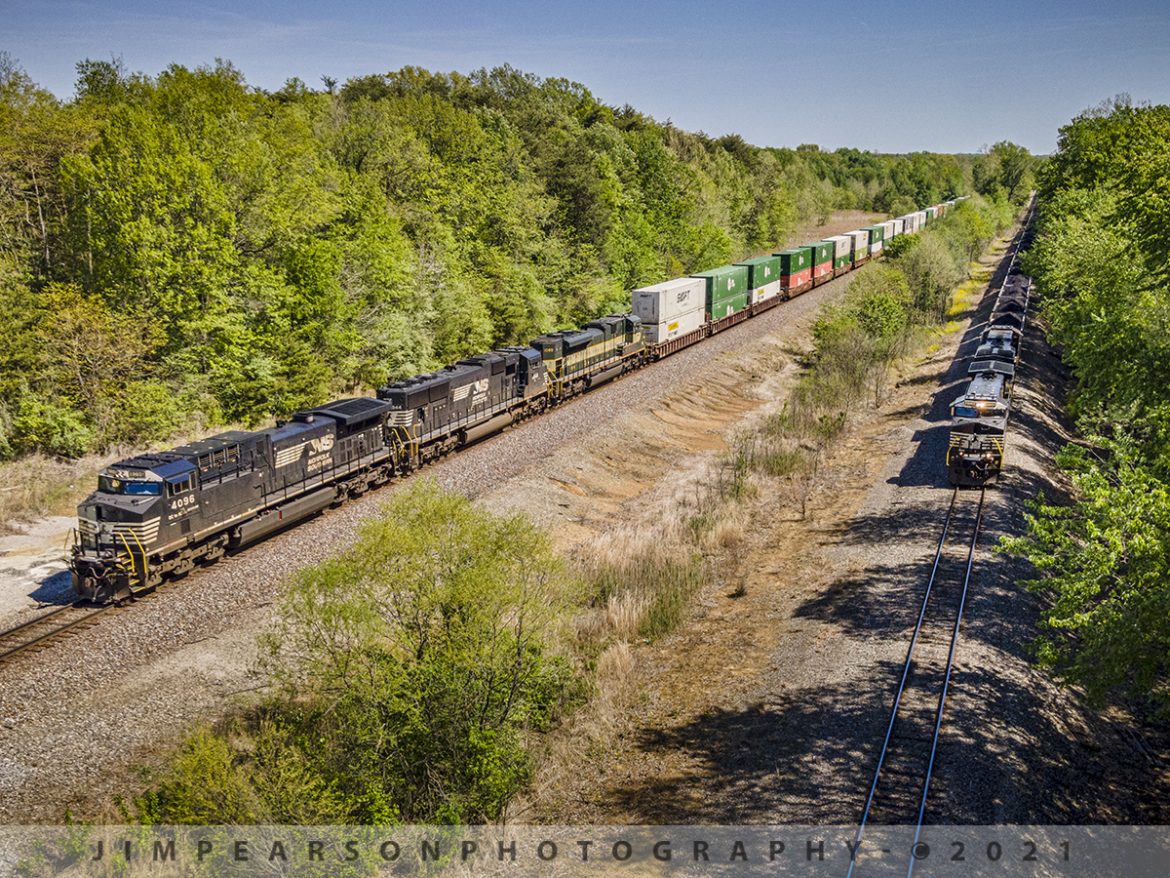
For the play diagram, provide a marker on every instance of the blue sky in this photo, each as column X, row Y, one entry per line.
column 898, row 76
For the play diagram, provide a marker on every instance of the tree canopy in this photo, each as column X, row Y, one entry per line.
column 235, row 254
column 1100, row 264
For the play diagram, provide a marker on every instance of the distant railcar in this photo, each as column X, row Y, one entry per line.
column 157, row 515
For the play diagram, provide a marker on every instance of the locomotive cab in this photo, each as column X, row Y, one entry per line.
column 122, row 524
column 975, row 446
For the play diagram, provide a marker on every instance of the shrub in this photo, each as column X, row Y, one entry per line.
column 931, row 271
column 52, row 426
column 404, row 671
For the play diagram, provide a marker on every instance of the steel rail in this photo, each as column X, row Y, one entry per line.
column 906, row 667
column 942, row 698
column 9, row 652
column 955, row 631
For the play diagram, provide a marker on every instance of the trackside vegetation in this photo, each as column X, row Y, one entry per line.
column 409, row 679
column 887, row 311
column 1101, row 261
column 185, row 250
column 403, row 677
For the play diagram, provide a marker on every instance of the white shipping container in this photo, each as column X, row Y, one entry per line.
column 769, row 290
column 656, row 333
column 662, row 303
column 860, row 240
column 899, row 226
column 842, row 246
column 888, row 225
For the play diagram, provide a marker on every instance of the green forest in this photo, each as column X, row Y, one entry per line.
column 1101, row 261
column 412, row 677
column 183, row 250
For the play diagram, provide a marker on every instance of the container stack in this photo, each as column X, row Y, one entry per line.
column 671, row 308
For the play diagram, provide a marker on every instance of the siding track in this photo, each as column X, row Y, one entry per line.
column 37, row 634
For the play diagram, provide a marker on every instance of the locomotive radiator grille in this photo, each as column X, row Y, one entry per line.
column 145, row 532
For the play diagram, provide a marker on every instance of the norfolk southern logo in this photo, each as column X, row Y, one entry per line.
column 319, row 452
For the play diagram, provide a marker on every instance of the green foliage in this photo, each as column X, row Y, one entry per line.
column 860, row 338
column 282, row 248
column 1006, row 170
column 932, row 271
column 1103, row 564
column 935, row 261
column 405, row 671
column 1099, row 261
column 49, row 425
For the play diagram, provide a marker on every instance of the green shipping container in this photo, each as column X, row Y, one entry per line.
column 762, row 270
column 930, row 211
column 845, row 256
column 795, row 260
column 727, row 289
column 822, row 252
column 876, row 234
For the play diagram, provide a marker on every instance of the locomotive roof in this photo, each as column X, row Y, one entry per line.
column 1007, row 334
column 993, row 425
column 348, row 411
column 565, row 334
column 463, row 372
column 218, row 442
column 163, row 464
column 979, row 367
column 984, row 386
column 993, row 351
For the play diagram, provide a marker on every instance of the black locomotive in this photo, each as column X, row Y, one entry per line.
column 979, row 416
column 158, row 515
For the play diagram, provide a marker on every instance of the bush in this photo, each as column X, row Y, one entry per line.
column 50, row 426
column 405, row 672
column 932, row 271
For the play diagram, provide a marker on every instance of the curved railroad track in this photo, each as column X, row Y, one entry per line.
column 36, row 634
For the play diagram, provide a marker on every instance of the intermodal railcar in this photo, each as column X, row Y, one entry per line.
column 158, row 515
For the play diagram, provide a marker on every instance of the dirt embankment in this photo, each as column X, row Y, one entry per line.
column 145, row 676
column 769, row 704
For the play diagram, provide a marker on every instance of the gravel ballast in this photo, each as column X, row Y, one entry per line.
column 78, row 719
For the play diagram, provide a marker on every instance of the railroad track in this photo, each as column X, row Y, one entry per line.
column 901, row 781
column 38, row 633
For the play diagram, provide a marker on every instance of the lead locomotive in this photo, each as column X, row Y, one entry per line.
column 980, row 415
column 156, row 516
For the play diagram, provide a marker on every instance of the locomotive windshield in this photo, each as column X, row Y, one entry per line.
column 125, row 486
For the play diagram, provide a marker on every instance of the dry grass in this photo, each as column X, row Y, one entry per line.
column 37, row 486
column 644, row 586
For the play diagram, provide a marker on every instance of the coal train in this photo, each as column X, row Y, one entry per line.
column 979, row 415
column 158, row 515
